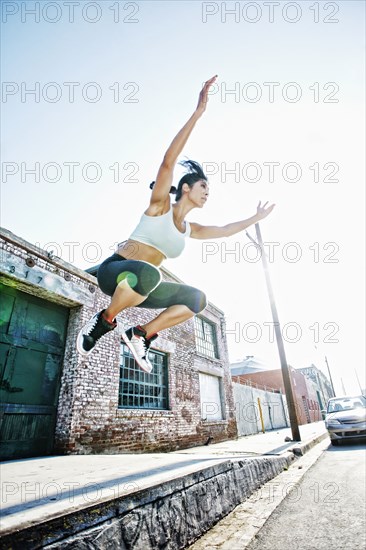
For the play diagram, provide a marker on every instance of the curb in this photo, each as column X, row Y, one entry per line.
column 302, row 448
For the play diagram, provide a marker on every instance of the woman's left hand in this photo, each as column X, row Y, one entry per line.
column 203, row 97
column 262, row 211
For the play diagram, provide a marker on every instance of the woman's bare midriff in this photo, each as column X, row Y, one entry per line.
column 133, row 250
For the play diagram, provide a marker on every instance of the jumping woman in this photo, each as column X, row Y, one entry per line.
column 132, row 277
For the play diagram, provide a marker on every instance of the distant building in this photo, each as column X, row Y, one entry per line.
column 320, row 382
column 306, row 399
column 53, row 401
column 248, row 365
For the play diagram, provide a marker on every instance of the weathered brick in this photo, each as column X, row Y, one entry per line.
column 88, row 417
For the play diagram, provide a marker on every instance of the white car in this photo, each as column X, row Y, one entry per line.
column 346, row 418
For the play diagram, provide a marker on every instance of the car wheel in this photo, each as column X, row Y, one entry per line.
column 334, row 442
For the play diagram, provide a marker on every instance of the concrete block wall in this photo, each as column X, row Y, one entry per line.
column 248, row 414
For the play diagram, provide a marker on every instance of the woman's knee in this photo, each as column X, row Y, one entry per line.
column 198, row 301
column 146, row 280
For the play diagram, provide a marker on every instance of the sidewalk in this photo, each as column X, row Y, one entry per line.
column 37, row 491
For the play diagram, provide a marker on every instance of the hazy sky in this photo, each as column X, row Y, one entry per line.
column 92, row 95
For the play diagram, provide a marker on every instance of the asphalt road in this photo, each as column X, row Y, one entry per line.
column 326, row 510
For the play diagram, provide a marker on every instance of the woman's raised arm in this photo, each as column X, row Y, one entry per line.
column 164, row 178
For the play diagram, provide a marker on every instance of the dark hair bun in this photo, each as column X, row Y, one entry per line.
column 193, row 167
column 173, row 189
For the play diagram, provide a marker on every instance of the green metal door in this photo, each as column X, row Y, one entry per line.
column 32, row 340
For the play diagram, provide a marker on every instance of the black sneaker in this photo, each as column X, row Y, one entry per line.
column 136, row 341
column 94, row 329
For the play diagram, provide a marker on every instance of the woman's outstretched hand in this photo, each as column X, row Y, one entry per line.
column 203, row 97
column 262, row 211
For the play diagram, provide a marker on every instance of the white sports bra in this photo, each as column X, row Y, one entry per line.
column 161, row 233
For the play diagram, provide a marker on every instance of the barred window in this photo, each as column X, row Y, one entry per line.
column 139, row 390
column 206, row 341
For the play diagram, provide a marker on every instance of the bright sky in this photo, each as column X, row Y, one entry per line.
column 92, row 95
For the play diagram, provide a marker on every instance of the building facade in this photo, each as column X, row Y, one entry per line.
column 306, row 399
column 320, row 382
column 53, row 401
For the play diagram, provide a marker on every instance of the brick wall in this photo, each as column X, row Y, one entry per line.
column 88, row 417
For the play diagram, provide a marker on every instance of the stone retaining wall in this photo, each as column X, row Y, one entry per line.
column 170, row 516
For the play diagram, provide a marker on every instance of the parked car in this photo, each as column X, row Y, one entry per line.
column 345, row 418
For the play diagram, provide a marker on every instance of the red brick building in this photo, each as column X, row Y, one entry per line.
column 306, row 399
column 55, row 401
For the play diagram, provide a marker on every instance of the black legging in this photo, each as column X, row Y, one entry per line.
column 146, row 280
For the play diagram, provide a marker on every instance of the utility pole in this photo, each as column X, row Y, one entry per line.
column 330, row 376
column 358, row 382
column 321, row 388
column 281, row 350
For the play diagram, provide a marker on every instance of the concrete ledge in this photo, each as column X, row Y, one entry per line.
column 165, row 500
column 302, row 448
column 169, row 515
